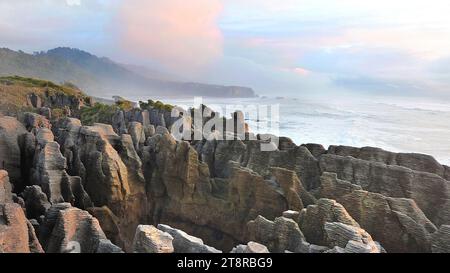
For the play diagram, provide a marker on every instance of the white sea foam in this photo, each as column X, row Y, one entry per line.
column 394, row 125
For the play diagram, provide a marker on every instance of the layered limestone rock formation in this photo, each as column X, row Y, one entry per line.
column 17, row 235
column 51, row 175
column 251, row 247
column 430, row 191
column 149, row 239
column 248, row 154
column 11, row 133
column 111, row 171
column 416, row 162
column 185, row 243
column 76, row 231
column 312, row 220
column 386, row 218
column 132, row 186
column 284, row 235
column 183, row 193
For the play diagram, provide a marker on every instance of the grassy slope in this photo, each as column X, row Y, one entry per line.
column 14, row 91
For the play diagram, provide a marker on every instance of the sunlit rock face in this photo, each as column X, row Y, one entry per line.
column 133, row 186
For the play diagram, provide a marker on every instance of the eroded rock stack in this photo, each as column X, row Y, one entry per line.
column 131, row 186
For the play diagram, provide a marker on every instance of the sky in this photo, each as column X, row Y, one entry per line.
column 292, row 47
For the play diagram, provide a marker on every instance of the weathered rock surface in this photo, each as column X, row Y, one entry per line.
column 33, row 121
column 313, row 219
column 316, row 149
column 5, row 188
column 440, row 241
column 11, row 132
column 292, row 214
column 416, row 162
column 430, row 191
column 111, row 171
column 284, row 235
column 137, row 134
column 184, row 243
column 129, row 175
column 299, row 159
column 280, row 235
column 251, row 247
column 109, row 223
column 149, row 239
column 51, row 175
column 183, row 193
column 16, row 232
column 350, row 238
column 76, row 231
column 397, row 223
column 36, row 202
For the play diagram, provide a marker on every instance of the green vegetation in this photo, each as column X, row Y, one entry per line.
column 158, row 105
column 102, row 113
column 29, row 82
column 58, row 113
column 99, row 113
column 71, row 85
column 125, row 105
column 51, row 88
column 15, row 91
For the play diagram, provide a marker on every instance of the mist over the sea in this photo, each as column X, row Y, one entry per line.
column 398, row 125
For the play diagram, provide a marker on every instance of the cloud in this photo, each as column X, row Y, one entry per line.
column 73, row 2
column 301, row 71
column 41, row 25
column 181, row 35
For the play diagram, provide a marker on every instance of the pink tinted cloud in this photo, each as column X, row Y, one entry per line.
column 301, row 71
column 181, row 35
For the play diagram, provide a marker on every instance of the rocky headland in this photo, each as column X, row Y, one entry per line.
column 112, row 179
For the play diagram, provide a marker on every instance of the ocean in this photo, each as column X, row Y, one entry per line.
column 397, row 125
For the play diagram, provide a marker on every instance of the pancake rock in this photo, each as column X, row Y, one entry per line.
column 149, row 239
column 387, row 219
